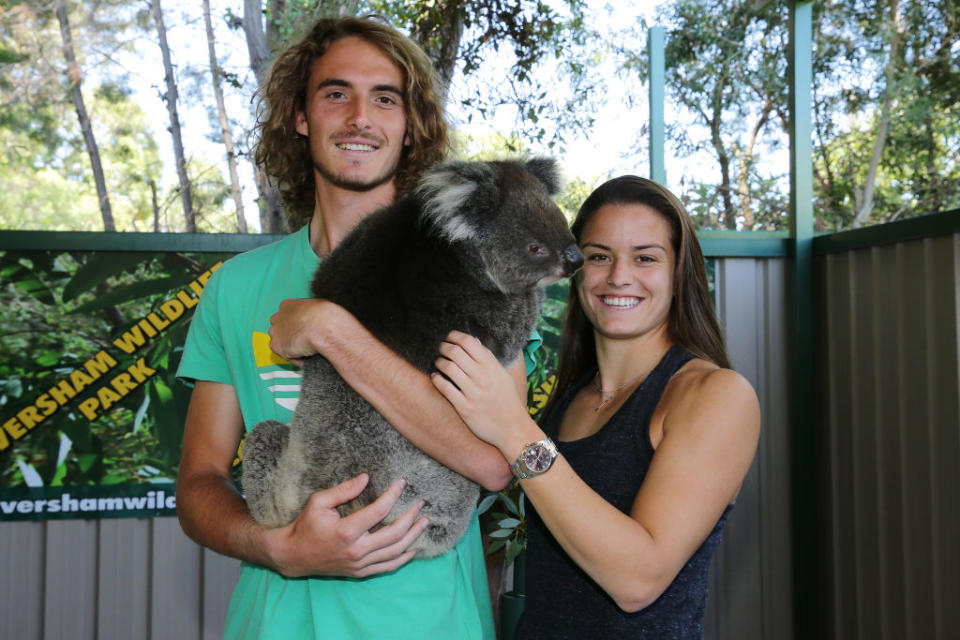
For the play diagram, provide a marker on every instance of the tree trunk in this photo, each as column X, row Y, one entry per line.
column 864, row 204
column 156, row 207
column 75, row 78
column 729, row 215
column 439, row 34
column 258, row 45
column 171, row 99
column 226, row 135
column 272, row 219
column 746, row 161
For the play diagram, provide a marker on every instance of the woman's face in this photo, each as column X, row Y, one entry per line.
column 626, row 285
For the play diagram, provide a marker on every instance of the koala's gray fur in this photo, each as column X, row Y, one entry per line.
column 470, row 248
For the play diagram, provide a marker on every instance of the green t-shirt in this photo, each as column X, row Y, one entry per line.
column 442, row 597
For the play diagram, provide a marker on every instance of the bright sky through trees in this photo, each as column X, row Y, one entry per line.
column 614, row 146
column 886, row 109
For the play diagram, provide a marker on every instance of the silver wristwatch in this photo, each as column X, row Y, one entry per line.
column 535, row 459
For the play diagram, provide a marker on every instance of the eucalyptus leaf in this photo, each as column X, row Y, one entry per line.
column 167, row 422
column 57, row 480
column 26, row 280
column 141, row 412
column 135, row 291
column 551, row 341
column 48, row 358
column 486, row 503
column 113, row 478
column 30, row 476
column 513, row 551
column 508, row 503
column 87, row 460
column 558, row 292
column 501, row 533
column 495, row 546
column 556, row 323
column 99, row 267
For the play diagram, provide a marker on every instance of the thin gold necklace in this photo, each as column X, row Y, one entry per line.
column 607, row 396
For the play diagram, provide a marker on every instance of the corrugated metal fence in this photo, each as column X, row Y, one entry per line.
column 125, row 579
column 889, row 432
column 136, row 578
column 888, row 429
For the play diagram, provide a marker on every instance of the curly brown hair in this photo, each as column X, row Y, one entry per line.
column 284, row 154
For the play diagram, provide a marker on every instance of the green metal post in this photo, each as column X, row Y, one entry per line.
column 655, row 47
column 806, row 612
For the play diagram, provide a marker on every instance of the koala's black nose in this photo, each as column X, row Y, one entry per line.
column 572, row 260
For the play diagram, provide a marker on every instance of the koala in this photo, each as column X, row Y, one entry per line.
column 471, row 247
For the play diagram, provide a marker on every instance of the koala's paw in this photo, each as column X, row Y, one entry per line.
column 439, row 537
column 448, row 522
column 261, row 451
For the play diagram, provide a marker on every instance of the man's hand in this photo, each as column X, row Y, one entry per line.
column 213, row 513
column 320, row 542
column 293, row 328
column 393, row 386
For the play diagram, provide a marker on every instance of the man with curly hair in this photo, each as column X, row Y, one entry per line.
column 351, row 118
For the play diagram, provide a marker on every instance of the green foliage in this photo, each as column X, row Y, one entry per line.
column 44, row 164
column 540, row 47
column 726, row 69
column 509, row 527
column 47, row 168
column 546, row 49
column 867, row 54
column 8, row 56
column 46, row 338
column 574, row 193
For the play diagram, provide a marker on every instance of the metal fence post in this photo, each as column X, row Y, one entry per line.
column 806, row 611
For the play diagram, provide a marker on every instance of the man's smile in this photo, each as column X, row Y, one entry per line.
column 356, row 146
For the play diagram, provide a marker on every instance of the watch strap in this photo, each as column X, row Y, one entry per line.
column 520, row 468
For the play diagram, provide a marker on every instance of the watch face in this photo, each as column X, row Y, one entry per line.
column 537, row 459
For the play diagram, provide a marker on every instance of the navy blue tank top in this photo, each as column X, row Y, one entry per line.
column 562, row 601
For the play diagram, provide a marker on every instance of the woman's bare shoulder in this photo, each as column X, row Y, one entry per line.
column 701, row 390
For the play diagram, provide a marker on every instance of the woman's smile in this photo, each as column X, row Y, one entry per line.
column 621, row 302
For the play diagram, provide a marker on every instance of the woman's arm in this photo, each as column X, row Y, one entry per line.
column 710, row 432
column 399, row 391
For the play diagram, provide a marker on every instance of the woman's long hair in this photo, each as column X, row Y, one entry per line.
column 285, row 154
column 692, row 322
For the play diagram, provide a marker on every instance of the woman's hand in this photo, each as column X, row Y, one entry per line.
column 482, row 392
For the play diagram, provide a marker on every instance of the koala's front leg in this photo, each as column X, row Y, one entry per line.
column 261, row 451
column 319, row 453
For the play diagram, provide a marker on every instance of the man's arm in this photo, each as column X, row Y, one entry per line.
column 318, row 542
column 401, row 393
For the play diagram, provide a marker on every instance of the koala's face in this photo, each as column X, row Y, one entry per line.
column 503, row 211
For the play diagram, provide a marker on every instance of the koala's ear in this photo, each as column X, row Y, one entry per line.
column 446, row 191
column 545, row 169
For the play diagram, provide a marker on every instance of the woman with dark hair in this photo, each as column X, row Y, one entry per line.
column 645, row 441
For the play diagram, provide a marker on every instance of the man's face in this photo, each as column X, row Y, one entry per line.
column 355, row 117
